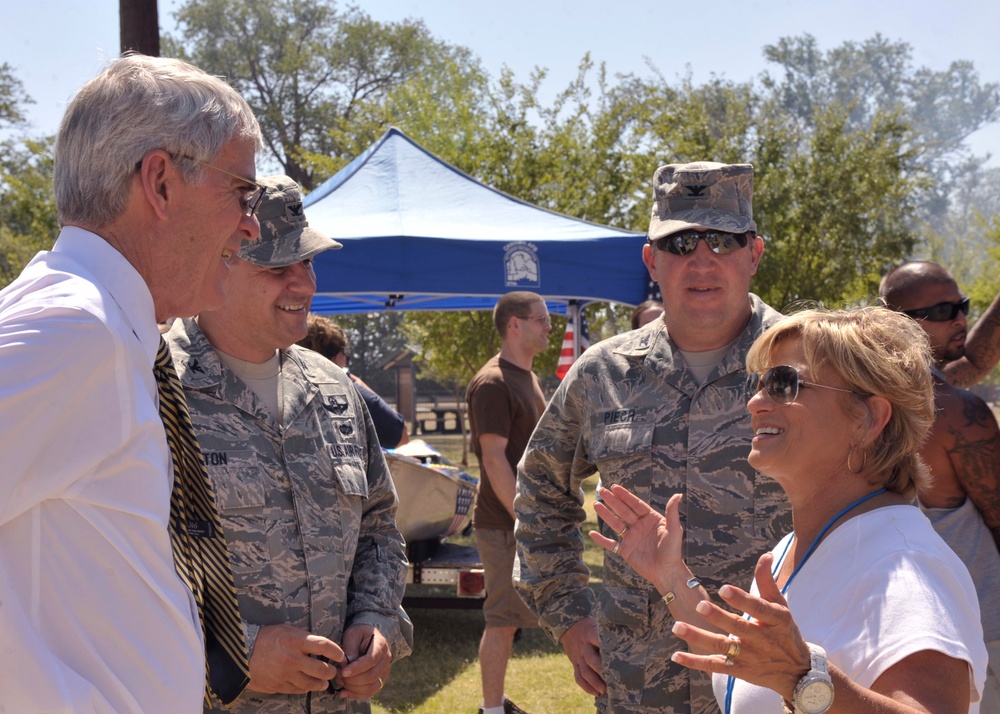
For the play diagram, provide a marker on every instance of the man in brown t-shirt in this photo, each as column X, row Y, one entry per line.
column 505, row 402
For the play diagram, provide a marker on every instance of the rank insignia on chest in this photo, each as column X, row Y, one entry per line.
column 346, row 429
column 335, row 403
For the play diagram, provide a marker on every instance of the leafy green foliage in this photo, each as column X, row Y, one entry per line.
column 939, row 109
column 451, row 346
column 373, row 338
column 28, row 221
column 12, row 98
column 306, row 68
column 27, row 207
column 860, row 156
column 984, row 287
column 835, row 214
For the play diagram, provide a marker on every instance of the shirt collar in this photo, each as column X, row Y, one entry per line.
column 112, row 271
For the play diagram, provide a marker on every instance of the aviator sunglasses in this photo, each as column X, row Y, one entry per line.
column 782, row 385
column 942, row 312
column 685, row 242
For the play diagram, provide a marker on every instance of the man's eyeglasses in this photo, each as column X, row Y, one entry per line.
column 782, row 385
column 685, row 242
column 251, row 198
column 942, row 312
column 543, row 321
column 248, row 201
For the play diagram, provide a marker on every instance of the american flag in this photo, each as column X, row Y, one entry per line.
column 566, row 356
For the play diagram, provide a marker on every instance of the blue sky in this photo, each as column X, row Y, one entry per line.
column 56, row 45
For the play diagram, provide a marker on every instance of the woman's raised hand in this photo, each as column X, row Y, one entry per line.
column 770, row 653
column 647, row 541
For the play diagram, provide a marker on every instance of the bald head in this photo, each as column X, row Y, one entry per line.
column 920, row 285
column 904, row 287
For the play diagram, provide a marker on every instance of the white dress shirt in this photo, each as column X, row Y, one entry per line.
column 93, row 617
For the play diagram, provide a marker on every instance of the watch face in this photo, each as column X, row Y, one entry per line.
column 815, row 697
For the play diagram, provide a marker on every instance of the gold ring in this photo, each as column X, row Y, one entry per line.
column 734, row 650
column 618, row 544
column 624, row 530
column 380, row 685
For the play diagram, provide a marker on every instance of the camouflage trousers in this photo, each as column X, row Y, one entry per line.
column 636, row 644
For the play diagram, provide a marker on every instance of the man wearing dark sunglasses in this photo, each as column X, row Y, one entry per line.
column 661, row 409
column 963, row 450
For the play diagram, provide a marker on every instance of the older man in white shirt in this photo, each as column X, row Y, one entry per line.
column 154, row 172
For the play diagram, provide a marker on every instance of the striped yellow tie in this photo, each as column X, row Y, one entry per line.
column 201, row 556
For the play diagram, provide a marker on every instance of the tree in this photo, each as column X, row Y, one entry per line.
column 304, row 67
column 451, row 346
column 27, row 205
column 373, row 338
column 986, row 285
column 28, row 220
column 444, row 106
column 860, row 156
column 940, row 109
column 12, row 98
column 836, row 211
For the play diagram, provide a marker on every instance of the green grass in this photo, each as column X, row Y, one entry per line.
column 442, row 674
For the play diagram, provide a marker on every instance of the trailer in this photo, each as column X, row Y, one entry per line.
column 451, row 578
column 435, row 518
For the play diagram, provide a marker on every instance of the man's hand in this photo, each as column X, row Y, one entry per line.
column 357, row 380
column 582, row 645
column 371, row 659
column 502, row 477
column 284, row 661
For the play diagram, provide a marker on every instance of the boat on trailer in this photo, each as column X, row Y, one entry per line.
column 435, row 496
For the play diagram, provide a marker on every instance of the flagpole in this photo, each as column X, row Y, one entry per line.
column 573, row 315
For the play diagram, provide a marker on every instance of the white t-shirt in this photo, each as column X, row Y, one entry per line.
column 93, row 617
column 879, row 588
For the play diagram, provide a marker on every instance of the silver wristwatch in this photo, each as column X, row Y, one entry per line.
column 814, row 692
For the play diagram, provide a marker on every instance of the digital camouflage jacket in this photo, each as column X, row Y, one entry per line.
column 631, row 410
column 308, row 507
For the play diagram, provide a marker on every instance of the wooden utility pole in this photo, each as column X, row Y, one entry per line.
column 139, row 26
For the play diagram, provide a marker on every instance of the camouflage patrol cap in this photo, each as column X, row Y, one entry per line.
column 285, row 235
column 703, row 195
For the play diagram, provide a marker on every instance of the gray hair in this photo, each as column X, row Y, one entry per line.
column 134, row 105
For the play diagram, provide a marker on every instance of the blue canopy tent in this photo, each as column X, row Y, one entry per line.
column 420, row 234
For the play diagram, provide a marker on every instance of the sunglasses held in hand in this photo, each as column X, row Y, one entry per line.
column 334, row 686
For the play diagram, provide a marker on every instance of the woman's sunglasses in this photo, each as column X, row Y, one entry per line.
column 782, row 385
column 942, row 312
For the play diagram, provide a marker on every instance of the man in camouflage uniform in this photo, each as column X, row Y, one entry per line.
column 305, row 496
column 659, row 410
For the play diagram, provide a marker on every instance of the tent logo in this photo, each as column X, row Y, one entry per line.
column 521, row 267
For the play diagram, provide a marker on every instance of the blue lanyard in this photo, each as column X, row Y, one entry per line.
column 731, row 682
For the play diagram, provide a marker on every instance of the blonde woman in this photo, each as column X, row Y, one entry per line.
column 862, row 608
